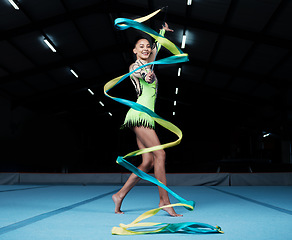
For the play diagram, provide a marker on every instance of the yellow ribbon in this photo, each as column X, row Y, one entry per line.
column 178, row 57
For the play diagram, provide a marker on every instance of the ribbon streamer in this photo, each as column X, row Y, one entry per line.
column 185, row 227
column 178, row 57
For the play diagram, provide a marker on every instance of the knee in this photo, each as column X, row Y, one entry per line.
column 160, row 155
column 148, row 162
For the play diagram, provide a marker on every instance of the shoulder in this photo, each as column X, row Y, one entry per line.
column 133, row 66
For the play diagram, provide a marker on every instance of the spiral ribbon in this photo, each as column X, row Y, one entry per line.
column 178, row 57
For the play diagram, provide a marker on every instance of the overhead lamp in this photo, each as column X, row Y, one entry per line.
column 183, row 43
column 266, row 135
column 91, row 92
column 109, row 113
column 14, row 4
column 189, row 2
column 174, row 103
column 101, row 103
column 176, row 90
column 74, row 73
column 173, row 113
column 50, row 45
column 179, row 72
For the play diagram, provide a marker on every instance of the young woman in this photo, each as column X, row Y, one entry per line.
column 146, row 84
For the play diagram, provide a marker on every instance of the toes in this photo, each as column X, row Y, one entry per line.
column 119, row 212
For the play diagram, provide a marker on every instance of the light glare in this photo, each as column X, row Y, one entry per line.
column 91, row 92
column 50, row 45
column 14, row 4
column 74, row 73
column 179, row 72
column 184, row 38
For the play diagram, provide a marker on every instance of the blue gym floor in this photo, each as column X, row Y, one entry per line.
column 86, row 212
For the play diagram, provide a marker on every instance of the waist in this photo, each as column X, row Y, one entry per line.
column 147, row 102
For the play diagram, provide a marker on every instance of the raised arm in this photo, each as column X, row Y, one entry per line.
column 156, row 45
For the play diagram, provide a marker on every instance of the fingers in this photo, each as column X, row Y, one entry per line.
column 166, row 28
column 150, row 76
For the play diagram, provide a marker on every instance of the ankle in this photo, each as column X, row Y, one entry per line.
column 119, row 195
column 164, row 202
column 164, row 199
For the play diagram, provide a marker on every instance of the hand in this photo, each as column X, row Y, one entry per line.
column 166, row 28
column 150, row 77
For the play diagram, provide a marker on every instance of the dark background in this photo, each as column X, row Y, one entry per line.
column 235, row 88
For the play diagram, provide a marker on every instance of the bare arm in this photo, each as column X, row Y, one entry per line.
column 146, row 75
column 153, row 53
column 141, row 73
column 157, row 46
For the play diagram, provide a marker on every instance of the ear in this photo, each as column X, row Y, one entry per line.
column 135, row 51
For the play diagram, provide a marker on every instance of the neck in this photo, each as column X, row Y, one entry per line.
column 143, row 61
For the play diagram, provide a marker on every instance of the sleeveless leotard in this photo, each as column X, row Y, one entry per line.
column 146, row 96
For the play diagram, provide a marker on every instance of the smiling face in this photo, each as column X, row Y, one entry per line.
column 142, row 49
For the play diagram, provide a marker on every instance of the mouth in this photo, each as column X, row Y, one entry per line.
column 145, row 53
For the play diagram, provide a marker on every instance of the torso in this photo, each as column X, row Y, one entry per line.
column 146, row 91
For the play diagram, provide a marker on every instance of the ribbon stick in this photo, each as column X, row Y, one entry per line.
column 178, row 57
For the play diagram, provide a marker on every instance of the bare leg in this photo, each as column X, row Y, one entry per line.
column 149, row 138
column 146, row 166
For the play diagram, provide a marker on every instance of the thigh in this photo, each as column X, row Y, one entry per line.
column 146, row 137
column 145, row 156
column 140, row 144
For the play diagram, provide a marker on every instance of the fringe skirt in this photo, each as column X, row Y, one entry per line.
column 136, row 118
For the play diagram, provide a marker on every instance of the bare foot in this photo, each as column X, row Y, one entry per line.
column 170, row 210
column 118, row 202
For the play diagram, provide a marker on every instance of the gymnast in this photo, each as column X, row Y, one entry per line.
column 143, row 125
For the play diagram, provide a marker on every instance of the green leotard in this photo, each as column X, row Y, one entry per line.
column 146, row 93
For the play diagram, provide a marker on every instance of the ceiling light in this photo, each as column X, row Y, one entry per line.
column 89, row 90
column 101, row 103
column 173, row 113
column 183, row 43
column 176, row 90
column 179, row 71
column 109, row 113
column 266, row 135
column 189, row 2
column 50, row 45
column 14, row 4
column 74, row 73
column 174, row 103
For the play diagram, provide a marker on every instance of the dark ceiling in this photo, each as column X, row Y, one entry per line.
column 239, row 70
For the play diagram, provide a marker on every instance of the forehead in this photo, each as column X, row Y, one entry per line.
column 143, row 41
